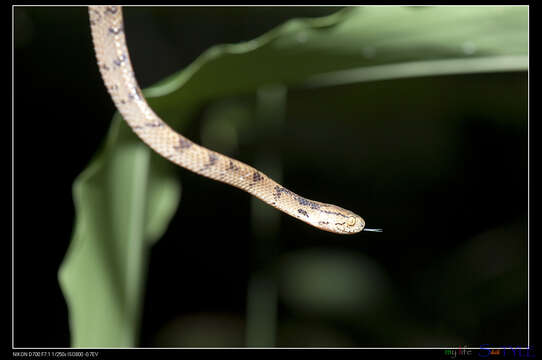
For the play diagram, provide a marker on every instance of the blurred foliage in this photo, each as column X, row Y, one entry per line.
column 127, row 196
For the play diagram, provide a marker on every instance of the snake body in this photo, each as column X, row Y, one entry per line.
column 107, row 28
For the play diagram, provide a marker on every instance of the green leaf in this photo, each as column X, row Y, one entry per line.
column 127, row 195
column 124, row 201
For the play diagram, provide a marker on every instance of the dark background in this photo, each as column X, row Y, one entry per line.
column 441, row 166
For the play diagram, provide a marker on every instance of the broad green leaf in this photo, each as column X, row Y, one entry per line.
column 124, row 201
column 127, row 195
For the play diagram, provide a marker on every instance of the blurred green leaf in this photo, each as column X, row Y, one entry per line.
column 124, row 201
column 127, row 195
column 354, row 38
column 332, row 282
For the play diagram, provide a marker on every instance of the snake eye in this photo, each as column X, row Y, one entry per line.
column 351, row 221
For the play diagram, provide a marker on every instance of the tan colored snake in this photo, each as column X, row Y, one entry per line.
column 107, row 29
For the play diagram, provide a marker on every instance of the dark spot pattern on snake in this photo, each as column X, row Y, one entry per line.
column 306, row 202
column 183, row 144
column 115, row 31
column 232, row 166
column 279, row 191
column 155, row 124
column 301, row 211
column 121, row 59
column 111, row 10
column 257, row 177
column 135, row 94
column 212, row 160
column 301, row 200
column 95, row 17
column 333, row 213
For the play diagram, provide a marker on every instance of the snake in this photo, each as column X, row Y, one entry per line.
column 108, row 36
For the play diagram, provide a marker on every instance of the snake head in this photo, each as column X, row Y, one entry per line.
column 350, row 225
column 339, row 220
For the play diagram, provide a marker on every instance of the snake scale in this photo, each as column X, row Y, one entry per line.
column 107, row 28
